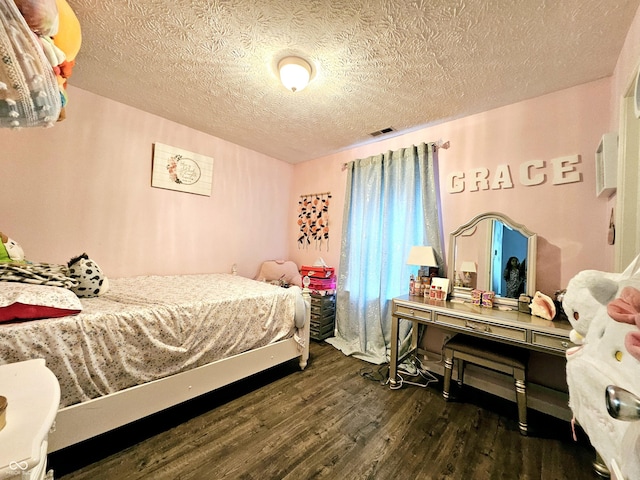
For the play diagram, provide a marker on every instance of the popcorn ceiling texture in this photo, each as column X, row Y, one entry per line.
column 211, row 65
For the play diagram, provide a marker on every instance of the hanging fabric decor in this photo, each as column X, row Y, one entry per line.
column 313, row 219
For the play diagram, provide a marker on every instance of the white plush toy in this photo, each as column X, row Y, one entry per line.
column 588, row 291
column 602, row 359
column 92, row 282
column 13, row 250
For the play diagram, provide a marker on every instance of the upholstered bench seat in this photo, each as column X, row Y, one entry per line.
column 493, row 355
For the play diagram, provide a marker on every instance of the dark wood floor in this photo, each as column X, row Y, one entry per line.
column 335, row 420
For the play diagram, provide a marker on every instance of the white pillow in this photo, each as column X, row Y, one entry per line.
column 25, row 301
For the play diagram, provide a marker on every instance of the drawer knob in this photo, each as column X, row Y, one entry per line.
column 565, row 344
column 412, row 313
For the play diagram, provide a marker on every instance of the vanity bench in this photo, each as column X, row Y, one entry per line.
column 493, row 355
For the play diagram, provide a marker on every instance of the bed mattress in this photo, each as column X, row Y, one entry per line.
column 150, row 327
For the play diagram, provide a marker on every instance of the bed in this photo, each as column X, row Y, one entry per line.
column 155, row 341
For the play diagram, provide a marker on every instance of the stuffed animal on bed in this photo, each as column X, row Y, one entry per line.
column 280, row 272
column 10, row 250
column 91, row 281
column 601, row 308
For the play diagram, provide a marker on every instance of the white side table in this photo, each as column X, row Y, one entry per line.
column 33, row 397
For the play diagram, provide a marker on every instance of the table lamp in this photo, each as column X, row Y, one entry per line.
column 423, row 257
column 468, row 268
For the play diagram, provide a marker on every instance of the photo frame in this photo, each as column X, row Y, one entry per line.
column 442, row 283
column 180, row 170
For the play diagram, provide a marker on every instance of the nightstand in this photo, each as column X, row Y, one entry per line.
column 33, row 397
column 323, row 314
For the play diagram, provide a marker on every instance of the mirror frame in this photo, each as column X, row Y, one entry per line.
column 532, row 242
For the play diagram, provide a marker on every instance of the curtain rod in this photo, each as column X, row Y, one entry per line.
column 436, row 145
column 315, row 194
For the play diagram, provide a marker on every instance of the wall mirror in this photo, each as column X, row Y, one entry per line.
column 502, row 253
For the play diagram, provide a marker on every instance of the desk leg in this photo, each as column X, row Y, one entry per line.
column 393, row 363
column 415, row 330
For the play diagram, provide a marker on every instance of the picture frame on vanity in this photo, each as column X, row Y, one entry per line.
column 443, row 283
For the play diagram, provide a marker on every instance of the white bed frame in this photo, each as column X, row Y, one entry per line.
column 85, row 420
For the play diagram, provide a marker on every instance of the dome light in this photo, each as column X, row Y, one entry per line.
column 295, row 73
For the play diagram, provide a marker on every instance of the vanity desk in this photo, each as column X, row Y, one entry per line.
column 491, row 253
column 502, row 326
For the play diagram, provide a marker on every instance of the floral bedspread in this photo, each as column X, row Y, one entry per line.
column 146, row 328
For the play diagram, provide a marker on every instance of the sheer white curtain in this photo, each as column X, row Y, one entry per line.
column 392, row 203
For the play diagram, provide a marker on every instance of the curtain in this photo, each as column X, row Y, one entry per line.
column 391, row 204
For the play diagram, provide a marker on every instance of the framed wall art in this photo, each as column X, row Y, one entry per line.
column 177, row 169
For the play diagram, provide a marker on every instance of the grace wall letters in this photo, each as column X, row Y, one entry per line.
column 561, row 170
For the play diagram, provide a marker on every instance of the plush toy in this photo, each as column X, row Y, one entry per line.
column 10, row 250
column 542, row 306
column 68, row 41
column 91, row 281
column 279, row 272
column 69, row 36
column 626, row 309
column 40, row 15
column 586, row 293
column 603, row 309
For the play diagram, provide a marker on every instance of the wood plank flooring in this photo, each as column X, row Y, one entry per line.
column 335, row 420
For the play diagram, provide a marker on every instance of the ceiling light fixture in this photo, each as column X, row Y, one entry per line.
column 295, row 73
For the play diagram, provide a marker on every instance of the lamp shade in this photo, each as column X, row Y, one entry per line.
column 422, row 256
column 295, row 73
column 468, row 267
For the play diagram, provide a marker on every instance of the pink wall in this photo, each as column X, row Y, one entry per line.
column 84, row 186
column 570, row 220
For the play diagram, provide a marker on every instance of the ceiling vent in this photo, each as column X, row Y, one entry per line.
column 382, row 132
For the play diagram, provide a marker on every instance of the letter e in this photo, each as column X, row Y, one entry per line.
column 564, row 170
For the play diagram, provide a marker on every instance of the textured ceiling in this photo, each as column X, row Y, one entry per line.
column 210, row 65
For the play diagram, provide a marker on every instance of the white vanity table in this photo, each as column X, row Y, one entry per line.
column 488, row 241
column 507, row 327
column 33, row 397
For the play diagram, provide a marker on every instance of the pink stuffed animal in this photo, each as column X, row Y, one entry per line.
column 626, row 309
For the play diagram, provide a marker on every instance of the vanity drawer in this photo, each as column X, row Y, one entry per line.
column 409, row 312
column 488, row 329
column 554, row 342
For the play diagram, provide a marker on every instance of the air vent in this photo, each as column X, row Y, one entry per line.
column 382, row 132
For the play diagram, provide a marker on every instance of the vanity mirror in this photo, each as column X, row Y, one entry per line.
column 503, row 253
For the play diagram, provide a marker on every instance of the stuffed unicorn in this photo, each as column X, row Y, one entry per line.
column 604, row 310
